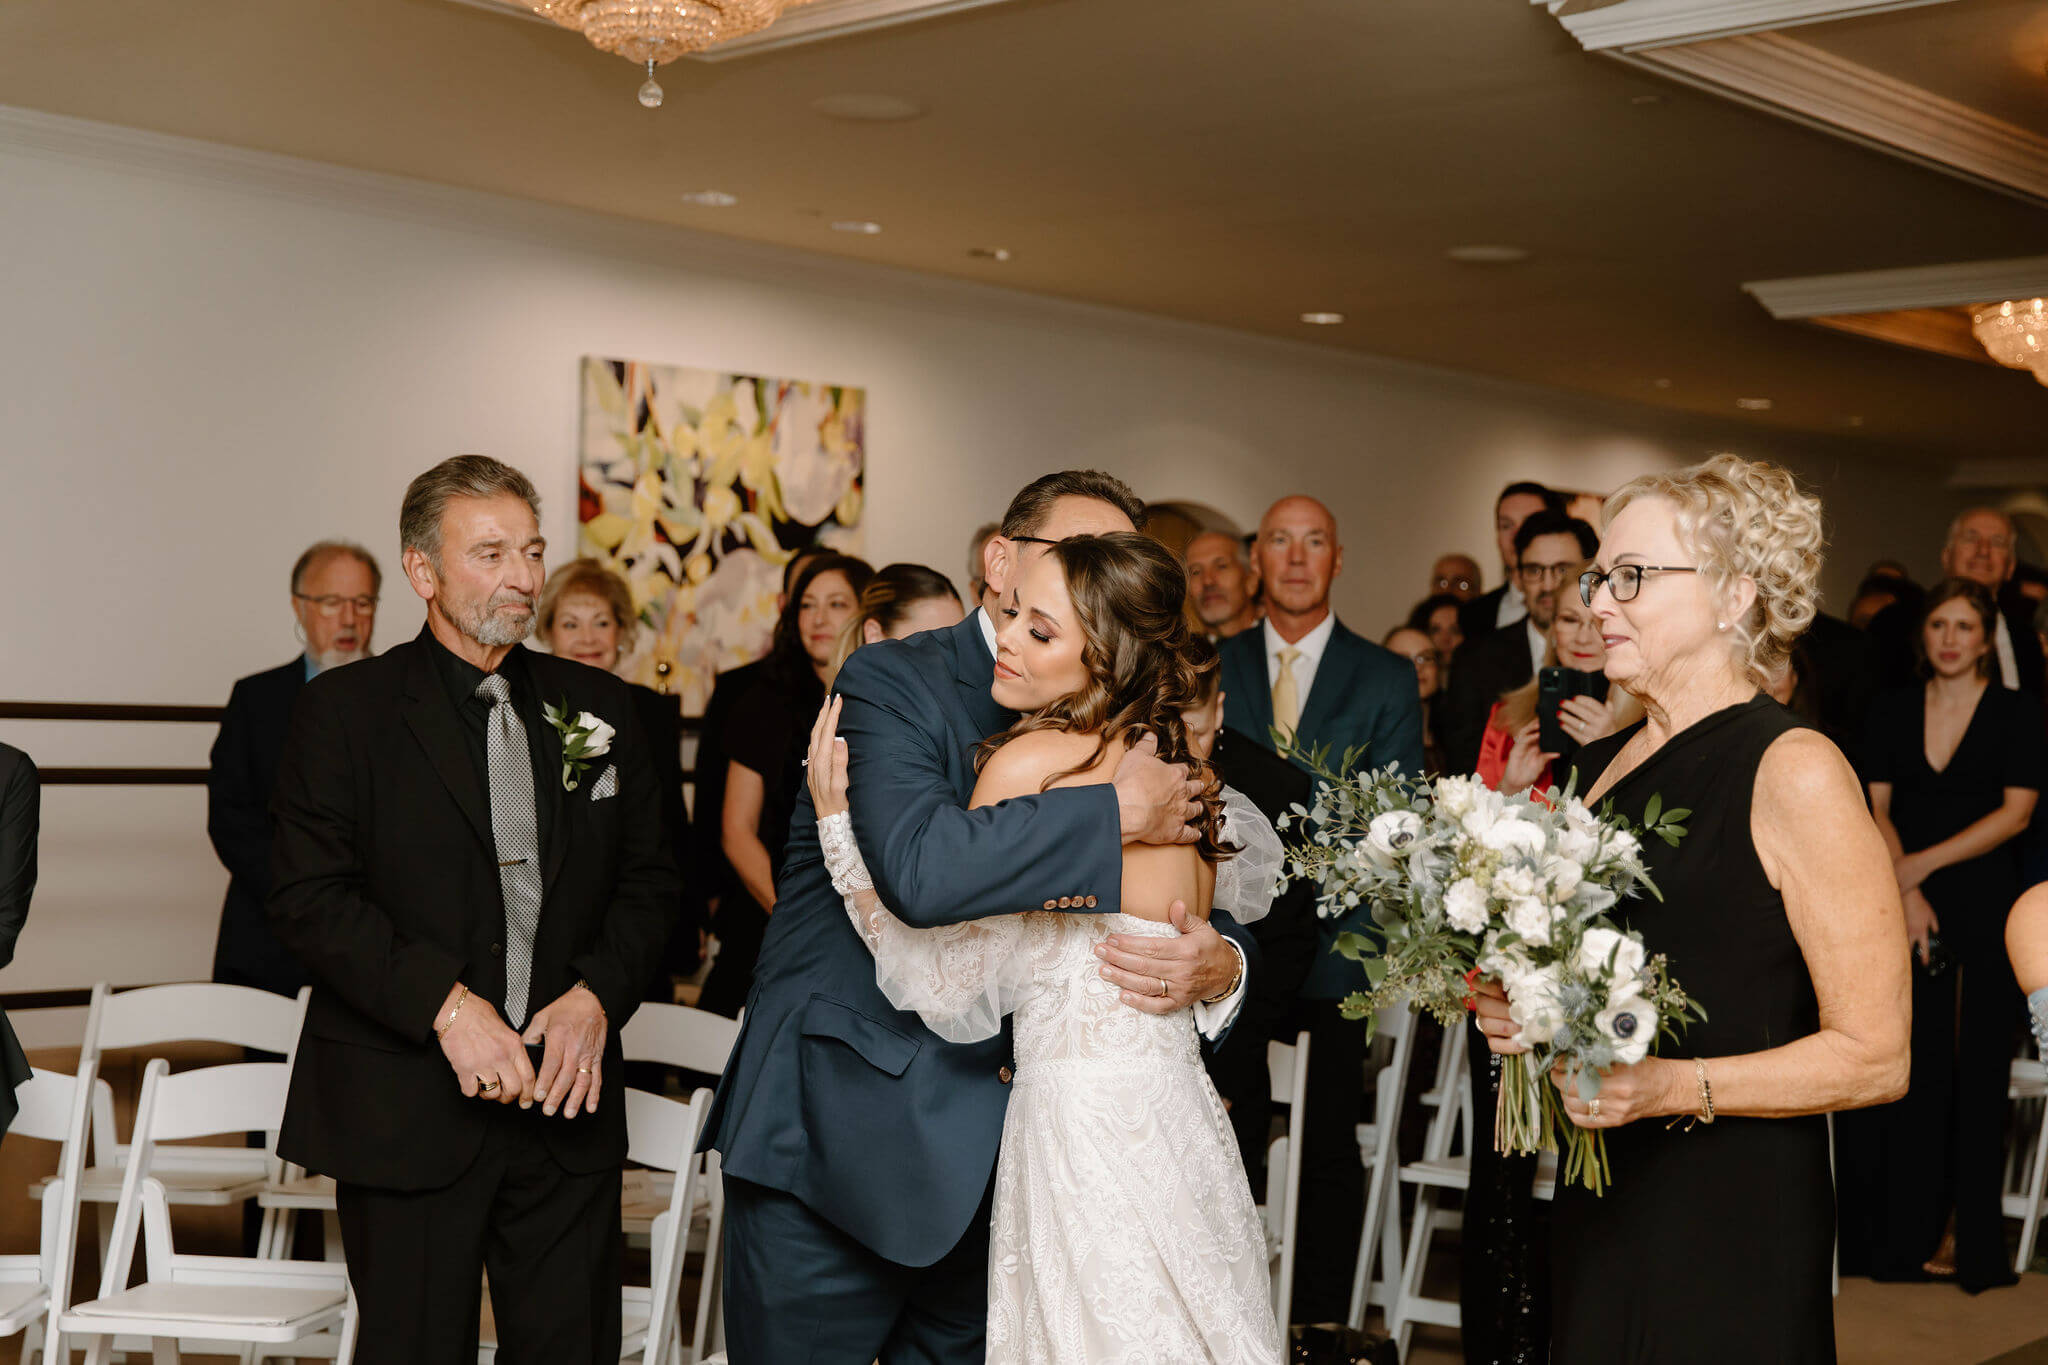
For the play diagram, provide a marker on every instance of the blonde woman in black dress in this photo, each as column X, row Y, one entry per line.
column 1779, row 913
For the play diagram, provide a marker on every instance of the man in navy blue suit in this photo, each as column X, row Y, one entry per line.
column 858, row 1147
column 1303, row 673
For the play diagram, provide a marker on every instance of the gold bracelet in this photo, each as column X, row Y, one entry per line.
column 593, row 994
column 1706, row 1090
column 1231, row 989
column 449, row 1022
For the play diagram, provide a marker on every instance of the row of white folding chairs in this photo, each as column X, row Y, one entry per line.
column 222, row 1175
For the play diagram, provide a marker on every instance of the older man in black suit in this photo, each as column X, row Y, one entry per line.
column 470, row 862
column 1981, row 546
column 335, row 586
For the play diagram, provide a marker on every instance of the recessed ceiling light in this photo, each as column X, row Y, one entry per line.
column 867, row 108
column 711, row 199
column 1661, row 383
column 1488, row 255
column 1322, row 319
column 1854, row 421
column 1753, row 404
column 989, row 253
column 859, row 225
column 1645, row 99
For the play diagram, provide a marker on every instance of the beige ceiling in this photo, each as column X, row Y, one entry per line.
column 1991, row 55
column 1229, row 163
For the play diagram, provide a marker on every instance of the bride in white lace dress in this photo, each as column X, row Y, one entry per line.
column 1123, row 1227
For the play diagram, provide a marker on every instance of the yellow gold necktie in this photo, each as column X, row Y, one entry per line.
column 1286, row 697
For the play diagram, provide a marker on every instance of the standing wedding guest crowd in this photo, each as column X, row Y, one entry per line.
column 1852, row 903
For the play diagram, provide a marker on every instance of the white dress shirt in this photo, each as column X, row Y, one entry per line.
column 1311, row 646
column 2008, row 662
column 1539, row 645
column 1210, row 1019
column 1512, row 605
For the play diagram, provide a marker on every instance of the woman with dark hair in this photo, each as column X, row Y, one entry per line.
column 1437, row 617
column 763, row 743
column 1954, row 767
column 900, row 601
column 1122, row 1220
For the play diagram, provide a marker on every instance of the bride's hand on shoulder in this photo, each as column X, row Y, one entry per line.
column 825, row 765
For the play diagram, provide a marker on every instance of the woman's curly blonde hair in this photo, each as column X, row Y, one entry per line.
column 1747, row 519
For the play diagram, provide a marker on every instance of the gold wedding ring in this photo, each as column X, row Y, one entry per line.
column 484, row 1087
column 1163, row 992
column 583, row 1071
column 1593, row 1107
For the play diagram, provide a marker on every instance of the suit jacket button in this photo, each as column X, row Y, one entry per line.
column 1004, row 1075
column 1090, row 902
column 1066, row 902
column 1052, row 905
column 497, row 950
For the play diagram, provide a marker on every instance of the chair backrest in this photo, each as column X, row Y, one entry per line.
column 1454, row 1084
column 53, row 1109
column 235, row 1098
column 663, row 1133
column 677, row 1035
column 1288, row 1066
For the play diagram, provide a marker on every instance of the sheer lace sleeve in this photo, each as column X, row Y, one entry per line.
column 961, row 979
column 1244, row 884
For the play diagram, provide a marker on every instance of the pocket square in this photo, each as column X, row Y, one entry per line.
column 607, row 783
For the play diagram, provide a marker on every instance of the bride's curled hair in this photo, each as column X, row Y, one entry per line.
column 1129, row 594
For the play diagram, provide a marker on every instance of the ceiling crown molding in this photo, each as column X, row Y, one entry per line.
column 809, row 22
column 1632, row 25
column 1879, row 291
column 1817, row 87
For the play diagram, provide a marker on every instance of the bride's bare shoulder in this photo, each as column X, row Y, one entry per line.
column 1022, row 765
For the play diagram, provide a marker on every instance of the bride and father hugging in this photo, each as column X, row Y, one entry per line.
column 859, row 1147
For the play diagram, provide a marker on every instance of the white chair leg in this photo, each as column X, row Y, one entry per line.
column 163, row 1351
column 2037, row 1179
column 1398, row 1325
column 99, row 1351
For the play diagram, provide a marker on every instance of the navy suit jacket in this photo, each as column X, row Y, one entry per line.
column 833, row 1095
column 245, row 759
column 1363, row 697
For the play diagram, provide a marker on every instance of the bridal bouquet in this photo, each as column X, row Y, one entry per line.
column 1463, row 881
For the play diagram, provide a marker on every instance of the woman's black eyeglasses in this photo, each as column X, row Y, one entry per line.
column 1623, row 580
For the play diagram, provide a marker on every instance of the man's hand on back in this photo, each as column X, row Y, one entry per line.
column 1156, row 801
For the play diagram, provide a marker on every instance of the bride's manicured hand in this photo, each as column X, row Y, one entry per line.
column 1639, row 1090
column 825, row 766
column 1490, row 1010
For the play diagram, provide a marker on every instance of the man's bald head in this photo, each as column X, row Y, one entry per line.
column 1298, row 557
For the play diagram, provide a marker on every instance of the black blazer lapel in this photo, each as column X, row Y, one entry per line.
column 1334, row 676
column 431, row 717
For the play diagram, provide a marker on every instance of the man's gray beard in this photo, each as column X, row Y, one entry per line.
column 487, row 628
column 335, row 658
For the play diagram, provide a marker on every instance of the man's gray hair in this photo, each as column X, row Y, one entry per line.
column 458, row 476
column 1955, row 528
column 321, row 550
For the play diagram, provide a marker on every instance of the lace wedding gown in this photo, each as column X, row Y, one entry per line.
column 1123, row 1229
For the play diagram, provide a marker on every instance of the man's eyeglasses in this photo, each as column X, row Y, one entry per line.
column 331, row 605
column 1548, row 573
column 1623, row 580
column 1030, row 540
column 1461, row 584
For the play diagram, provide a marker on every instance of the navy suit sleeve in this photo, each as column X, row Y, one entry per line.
column 237, row 801
column 935, row 862
column 1397, row 724
column 318, row 904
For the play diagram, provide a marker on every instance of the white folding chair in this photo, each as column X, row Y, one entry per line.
column 268, row 1308
column 186, row 1012
column 1287, row 1064
column 1379, row 1238
column 696, row 1040
column 662, row 1134
column 2026, row 1195
column 53, row 1109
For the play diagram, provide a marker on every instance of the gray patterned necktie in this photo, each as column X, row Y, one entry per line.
column 515, row 828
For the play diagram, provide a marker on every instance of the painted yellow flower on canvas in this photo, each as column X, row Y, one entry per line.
column 697, row 487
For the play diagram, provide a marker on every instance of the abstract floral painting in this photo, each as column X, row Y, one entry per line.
column 698, row 487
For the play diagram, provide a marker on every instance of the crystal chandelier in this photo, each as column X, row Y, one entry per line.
column 2015, row 333
column 657, row 31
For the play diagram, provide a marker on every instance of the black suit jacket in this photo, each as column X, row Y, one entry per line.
column 1483, row 669
column 238, row 785
column 21, row 808
column 1481, row 615
column 1287, row 936
column 385, row 884
column 661, row 720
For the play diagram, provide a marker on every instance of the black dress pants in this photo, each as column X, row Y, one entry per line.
column 548, row 1237
column 1332, row 1177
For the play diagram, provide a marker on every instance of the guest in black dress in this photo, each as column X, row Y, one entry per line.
column 586, row 614
column 1779, row 914
column 764, row 738
column 21, row 807
column 1954, row 767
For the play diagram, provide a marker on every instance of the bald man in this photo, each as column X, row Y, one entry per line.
column 1303, row 673
column 1223, row 586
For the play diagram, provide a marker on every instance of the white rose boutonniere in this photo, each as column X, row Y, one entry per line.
column 584, row 737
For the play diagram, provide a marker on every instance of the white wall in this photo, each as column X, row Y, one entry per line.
column 209, row 358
